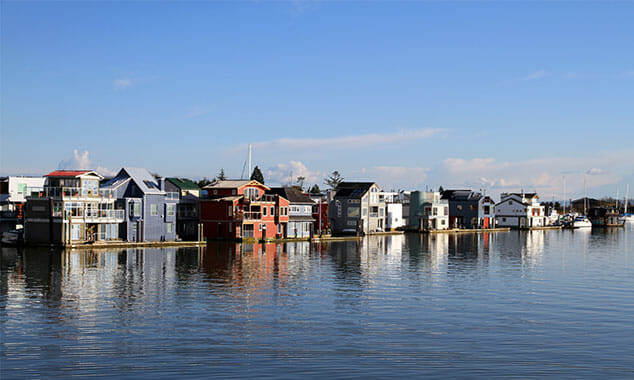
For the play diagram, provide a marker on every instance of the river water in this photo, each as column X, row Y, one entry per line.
column 524, row 304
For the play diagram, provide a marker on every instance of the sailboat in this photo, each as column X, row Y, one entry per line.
column 628, row 218
column 583, row 221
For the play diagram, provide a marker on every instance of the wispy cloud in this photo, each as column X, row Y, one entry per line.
column 122, row 83
column 536, row 75
column 348, row 142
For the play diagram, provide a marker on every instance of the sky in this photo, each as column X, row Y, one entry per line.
column 494, row 95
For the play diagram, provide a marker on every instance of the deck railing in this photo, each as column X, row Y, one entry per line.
column 68, row 192
column 252, row 215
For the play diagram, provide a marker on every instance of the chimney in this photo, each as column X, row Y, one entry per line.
column 161, row 183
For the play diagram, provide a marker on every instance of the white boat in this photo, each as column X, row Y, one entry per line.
column 581, row 222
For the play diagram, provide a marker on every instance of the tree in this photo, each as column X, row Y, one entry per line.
column 300, row 182
column 333, row 180
column 315, row 189
column 204, row 182
column 441, row 190
column 257, row 175
column 221, row 175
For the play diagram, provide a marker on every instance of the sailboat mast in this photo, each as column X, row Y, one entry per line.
column 627, row 195
column 564, row 195
column 249, row 173
column 585, row 196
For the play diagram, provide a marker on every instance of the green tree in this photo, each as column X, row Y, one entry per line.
column 204, row 182
column 221, row 175
column 315, row 189
column 333, row 180
column 257, row 175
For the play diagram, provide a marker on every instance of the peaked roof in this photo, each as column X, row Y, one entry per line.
column 72, row 173
column 233, row 184
column 183, row 183
column 141, row 177
column 353, row 189
column 461, row 195
column 292, row 194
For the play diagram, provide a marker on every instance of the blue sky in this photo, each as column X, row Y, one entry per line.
column 495, row 95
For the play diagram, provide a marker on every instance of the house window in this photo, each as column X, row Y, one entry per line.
column 215, row 192
column 446, row 210
column 272, row 210
column 487, row 209
column 365, row 211
column 22, row 188
column 381, row 212
column 504, row 219
column 154, row 210
column 353, row 212
column 171, row 209
column 260, row 227
column 279, row 228
column 264, row 210
column 442, row 222
column 137, row 209
column 170, row 228
column 510, row 202
column 233, row 191
column 473, row 207
column 230, row 227
column 435, row 210
column 459, row 207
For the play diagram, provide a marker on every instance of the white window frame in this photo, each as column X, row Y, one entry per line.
column 154, row 209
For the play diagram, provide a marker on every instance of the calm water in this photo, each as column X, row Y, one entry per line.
column 530, row 304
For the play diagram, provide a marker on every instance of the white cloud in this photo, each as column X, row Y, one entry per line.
column 347, row 142
column 398, row 177
column 545, row 175
column 82, row 161
column 282, row 173
column 120, row 84
column 536, row 75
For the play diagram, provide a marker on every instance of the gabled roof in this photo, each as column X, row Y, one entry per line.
column 292, row 194
column 141, row 177
column 461, row 195
column 115, row 182
column 72, row 173
column 183, row 183
column 353, row 189
column 525, row 195
column 233, row 184
column 355, row 185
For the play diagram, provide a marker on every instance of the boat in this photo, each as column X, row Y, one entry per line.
column 581, row 222
column 605, row 217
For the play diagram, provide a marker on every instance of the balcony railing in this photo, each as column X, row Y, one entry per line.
column 104, row 214
column 252, row 215
column 171, row 195
column 69, row 192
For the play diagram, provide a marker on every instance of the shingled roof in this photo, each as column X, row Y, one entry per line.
column 293, row 194
column 183, row 183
